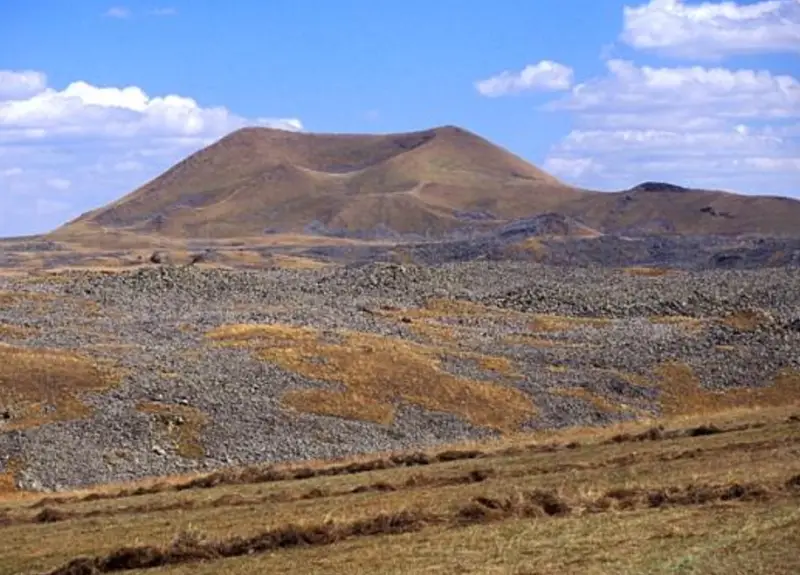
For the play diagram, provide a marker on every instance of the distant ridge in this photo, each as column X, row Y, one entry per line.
column 258, row 181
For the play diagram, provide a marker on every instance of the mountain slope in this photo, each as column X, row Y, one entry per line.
column 654, row 207
column 260, row 180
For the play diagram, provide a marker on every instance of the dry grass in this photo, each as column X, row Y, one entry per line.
column 408, row 182
column 8, row 477
column 181, row 424
column 42, row 385
column 377, row 372
column 14, row 298
column 748, row 320
column 646, row 272
column 296, row 262
column 452, row 322
column 11, row 331
column 682, row 393
column 629, row 505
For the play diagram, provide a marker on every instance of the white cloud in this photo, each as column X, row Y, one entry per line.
column 164, row 12
column 711, row 127
column 20, row 84
column 717, row 92
column 119, row 12
column 86, row 145
column 544, row 76
column 713, row 29
column 573, row 168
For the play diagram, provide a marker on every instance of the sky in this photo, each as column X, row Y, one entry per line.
column 97, row 97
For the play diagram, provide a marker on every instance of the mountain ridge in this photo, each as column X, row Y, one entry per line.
column 434, row 182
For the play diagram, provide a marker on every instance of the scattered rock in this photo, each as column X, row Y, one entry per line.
column 147, row 310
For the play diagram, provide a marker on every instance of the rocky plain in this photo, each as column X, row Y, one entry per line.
column 165, row 369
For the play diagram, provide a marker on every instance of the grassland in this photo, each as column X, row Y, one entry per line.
column 710, row 494
column 711, row 485
column 43, row 385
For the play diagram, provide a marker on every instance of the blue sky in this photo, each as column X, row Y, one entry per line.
column 98, row 97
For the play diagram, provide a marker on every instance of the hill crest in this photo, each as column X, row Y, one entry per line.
column 430, row 182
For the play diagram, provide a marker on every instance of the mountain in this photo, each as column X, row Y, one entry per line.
column 661, row 208
column 257, row 181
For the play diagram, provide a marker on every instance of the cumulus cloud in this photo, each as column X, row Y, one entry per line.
column 733, row 129
column 714, row 91
column 85, row 145
column 544, row 76
column 20, row 84
column 713, row 29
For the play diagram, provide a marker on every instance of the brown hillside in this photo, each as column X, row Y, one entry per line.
column 664, row 208
column 258, row 180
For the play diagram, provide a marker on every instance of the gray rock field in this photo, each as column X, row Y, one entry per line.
column 583, row 344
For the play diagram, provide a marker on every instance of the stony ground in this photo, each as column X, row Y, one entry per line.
column 585, row 346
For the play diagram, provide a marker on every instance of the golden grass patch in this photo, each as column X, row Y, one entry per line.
column 379, row 371
column 14, row 298
column 181, row 424
column 346, row 404
column 682, row 393
column 11, row 331
column 8, row 478
column 42, row 385
column 436, row 332
column 646, row 272
column 446, row 309
column 748, row 320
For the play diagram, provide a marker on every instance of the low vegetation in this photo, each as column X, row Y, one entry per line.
column 378, row 371
column 40, row 386
column 682, row 394
column 634, row 498
column 181, row 425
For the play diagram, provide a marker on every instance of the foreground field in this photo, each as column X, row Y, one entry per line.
column 712, row 494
